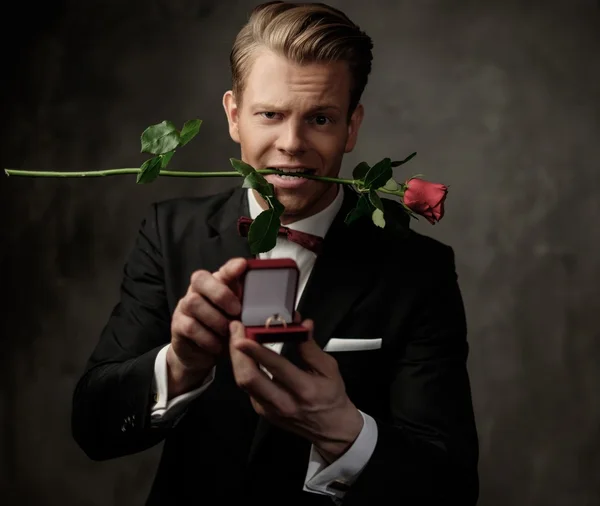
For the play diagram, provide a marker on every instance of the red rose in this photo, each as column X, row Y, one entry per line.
column 426, row 199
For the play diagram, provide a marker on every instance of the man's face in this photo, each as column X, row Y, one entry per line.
column 295, row 117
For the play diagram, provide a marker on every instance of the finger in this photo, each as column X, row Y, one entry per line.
column 230, row 274
column 249, row 377
column 192, row 335
column 284, row 372
column 217, row 292
column 242, row 364
column 231, row 270
column 196, row 306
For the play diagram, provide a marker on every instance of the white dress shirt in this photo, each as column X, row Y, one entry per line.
column 321, row 478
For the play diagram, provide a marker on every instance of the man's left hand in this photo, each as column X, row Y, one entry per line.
column 310, row 402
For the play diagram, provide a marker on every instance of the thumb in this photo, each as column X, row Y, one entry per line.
column 237, row 331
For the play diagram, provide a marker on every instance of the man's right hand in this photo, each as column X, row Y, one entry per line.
column 200, row 325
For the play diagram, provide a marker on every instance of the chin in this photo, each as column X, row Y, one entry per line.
column 301, row 202
column 295, row 207
column 294, row 204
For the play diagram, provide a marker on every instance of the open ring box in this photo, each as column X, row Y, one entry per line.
column 269, row 301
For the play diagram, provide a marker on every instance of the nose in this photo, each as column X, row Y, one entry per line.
column 291, row 141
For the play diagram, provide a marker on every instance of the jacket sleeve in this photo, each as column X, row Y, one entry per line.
column 113, row 398
column 428, row 453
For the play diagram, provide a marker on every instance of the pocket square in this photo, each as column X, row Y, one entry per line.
column 338, row 344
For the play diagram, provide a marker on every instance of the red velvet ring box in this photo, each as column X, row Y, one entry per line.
column 269, row 301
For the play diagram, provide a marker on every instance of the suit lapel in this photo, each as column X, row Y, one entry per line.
column 346, row 269
column 226, row 242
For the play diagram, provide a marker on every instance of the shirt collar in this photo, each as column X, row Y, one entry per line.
column 317, row 224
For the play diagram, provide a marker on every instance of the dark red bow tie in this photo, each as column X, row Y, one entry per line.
column 304, row 239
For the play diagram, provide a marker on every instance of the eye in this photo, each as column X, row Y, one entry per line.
column 321, row 120
column 269, row 115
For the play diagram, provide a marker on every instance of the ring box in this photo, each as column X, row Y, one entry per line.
column 269, row 301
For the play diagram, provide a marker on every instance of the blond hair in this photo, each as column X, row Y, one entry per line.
column 303, row 33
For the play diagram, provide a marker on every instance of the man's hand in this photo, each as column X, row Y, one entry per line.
column 311, row 402
column 200, row 324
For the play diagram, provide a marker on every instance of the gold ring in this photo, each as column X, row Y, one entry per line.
column 276, row 318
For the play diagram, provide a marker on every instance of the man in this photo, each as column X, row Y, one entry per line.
column 375, row 407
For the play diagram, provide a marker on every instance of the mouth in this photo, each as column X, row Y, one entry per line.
column 289, row 179
column 289, row 172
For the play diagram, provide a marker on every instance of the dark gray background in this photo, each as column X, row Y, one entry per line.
column 501, row 99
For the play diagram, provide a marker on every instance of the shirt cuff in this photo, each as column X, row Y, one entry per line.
column 336, row 478
column 169, row 411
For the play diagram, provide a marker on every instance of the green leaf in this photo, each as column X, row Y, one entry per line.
column 363, row 208
column 360, row 170
column 165, row 159
column 391, row 185
column 257, row 182
column 378, row 218
column 189, row 131
column 375, row 200
column 150, row 170
column 402, row 162
column 161, row 138
column 379, row 174
column 242, row 167
column 252, row 178
column 263, row 232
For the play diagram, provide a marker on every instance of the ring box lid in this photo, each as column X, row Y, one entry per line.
column 270, row 287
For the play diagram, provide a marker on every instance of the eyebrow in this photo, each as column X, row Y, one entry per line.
column 316, row 109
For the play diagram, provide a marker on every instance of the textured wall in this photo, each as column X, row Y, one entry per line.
column 501, row 100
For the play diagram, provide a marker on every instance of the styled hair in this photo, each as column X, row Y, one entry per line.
column 302, row 33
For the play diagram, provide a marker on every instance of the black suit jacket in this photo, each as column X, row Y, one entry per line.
column 367, row 283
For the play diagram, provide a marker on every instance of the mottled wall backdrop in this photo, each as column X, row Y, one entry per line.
column 501, row 99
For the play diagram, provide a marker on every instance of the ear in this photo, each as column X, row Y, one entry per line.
column 231, row 110
column 353, row 127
